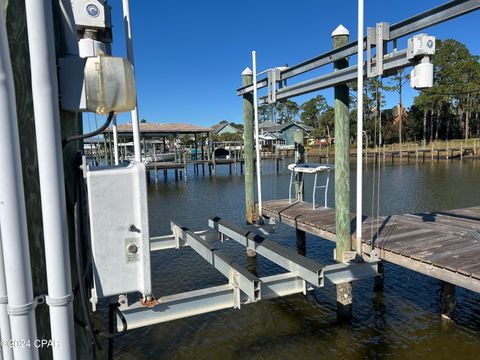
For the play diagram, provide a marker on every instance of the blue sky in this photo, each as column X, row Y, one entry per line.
column 189, row 55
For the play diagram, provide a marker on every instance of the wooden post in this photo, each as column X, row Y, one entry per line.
column 247, row 79
column 342, row 176
column 379, row 279
column 196, row 147
column 298, row 140
column 185, row 165
column 448, row 300
column 105, row 148
column 144, row 147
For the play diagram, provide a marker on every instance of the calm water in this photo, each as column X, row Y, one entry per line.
column 402, row 322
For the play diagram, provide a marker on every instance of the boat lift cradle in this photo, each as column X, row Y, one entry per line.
column 303, row 274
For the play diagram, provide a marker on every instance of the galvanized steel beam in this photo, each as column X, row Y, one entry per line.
column 426, row 19
column 237, row 275
column 306, row 268
column 178, row 306
column 391, row 62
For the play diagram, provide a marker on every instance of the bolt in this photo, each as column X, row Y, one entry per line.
column 132, row 248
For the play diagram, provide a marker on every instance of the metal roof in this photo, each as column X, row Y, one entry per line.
column 162, row 128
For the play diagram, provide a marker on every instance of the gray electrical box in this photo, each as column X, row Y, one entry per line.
column 117, row 202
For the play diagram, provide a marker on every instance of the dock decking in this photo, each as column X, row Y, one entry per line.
column 442, row 244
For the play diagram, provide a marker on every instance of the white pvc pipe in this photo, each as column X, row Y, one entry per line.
column 52, row 182
column 13, row 216
column 5, row 331
column 358, row 242
column 134, row 113
column 257, row 138
column 115, row 140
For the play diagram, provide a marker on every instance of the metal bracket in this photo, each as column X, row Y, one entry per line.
column 377, row 36
column 273, row 77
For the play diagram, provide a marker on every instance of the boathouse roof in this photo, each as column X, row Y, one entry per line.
column 161, row 129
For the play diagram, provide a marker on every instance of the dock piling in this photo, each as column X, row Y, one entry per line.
column 247, row 79
column 298, row 138
column 448, row 300
column 340, row 37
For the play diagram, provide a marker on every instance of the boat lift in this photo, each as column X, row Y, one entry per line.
column 120, row 242
column 302, row 275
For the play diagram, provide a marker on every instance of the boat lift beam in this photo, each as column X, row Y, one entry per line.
column 391, row 62
column 237, row 275
column 308, row 269
column 303, row 274
column 437, row 15
column 197, row 302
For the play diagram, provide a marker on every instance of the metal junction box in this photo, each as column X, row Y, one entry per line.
column 117, row 201
column 91, row 13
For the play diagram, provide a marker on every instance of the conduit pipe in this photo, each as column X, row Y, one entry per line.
column 13, row 216
column 5, row 331
column 358, row 240
column 115, row 140
column 50, row 166
column 129, row 40
column 257, row 138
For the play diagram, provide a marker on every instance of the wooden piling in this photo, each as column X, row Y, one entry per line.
column 448, row 300
column 298, row 139
column 342, row 175
column 380, row 278
column 247, row 79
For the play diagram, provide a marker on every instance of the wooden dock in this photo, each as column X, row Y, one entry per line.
column 157, row 166
column 443, row 244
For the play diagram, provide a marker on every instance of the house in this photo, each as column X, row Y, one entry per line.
column 287, row 131
column 225, row 127
column 268, row 127
column 281, row 134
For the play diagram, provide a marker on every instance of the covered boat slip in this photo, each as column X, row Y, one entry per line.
column 441, row 244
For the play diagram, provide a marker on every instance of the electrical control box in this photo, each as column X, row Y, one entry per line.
column 120, row 241
column 420, row 45
column 91, row 14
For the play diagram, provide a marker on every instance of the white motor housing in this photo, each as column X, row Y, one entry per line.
column 421, row 76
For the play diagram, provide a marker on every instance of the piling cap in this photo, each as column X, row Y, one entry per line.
column 247, row 71
column 340, row 30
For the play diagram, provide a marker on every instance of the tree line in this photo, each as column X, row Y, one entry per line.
column 448, row 110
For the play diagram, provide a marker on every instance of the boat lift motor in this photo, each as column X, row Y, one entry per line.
column 421, row 47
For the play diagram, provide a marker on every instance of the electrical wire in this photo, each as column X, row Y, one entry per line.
column 428, row 92
column 93, row 133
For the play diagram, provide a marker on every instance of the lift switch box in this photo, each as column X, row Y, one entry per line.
column 117, row 202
